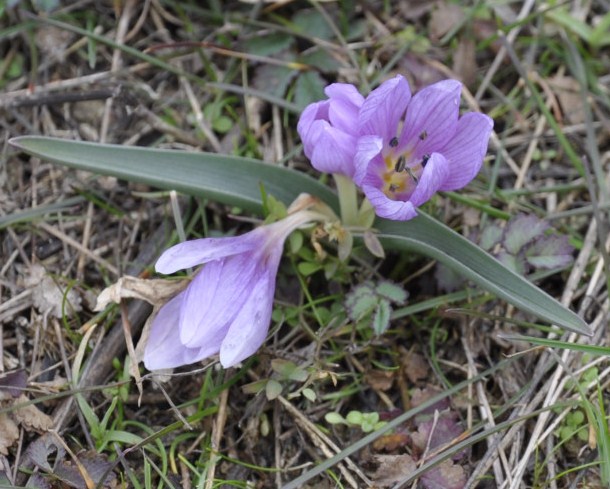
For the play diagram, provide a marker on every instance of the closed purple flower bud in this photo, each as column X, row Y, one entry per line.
column 227, row 307
column 328, row 131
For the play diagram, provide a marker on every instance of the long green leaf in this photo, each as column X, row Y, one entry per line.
column 429, row 237
column 226, row 179
column 235, row 181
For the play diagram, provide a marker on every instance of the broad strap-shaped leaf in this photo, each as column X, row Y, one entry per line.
column 230, row 180
column 429, row 237
column 235, row 181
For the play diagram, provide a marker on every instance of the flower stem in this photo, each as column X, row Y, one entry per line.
column 348, row 199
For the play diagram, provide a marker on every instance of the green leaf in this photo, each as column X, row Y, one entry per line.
column 391, row 291
column 334, row 418
column 432, row 238
column 381, row 319
column 273, row 389
column 235, row 181
column 226, row 179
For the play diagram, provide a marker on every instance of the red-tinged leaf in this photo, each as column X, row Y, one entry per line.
column 433, row 433
column 446, row 475
column 13, row 383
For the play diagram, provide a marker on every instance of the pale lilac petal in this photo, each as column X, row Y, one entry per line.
column 465, row 152
column 433, row 176
column 383, row 108
column 214, row 297
column 312, row 113
column 334, row 150
column 249, row 328
column 368, row 147
column 163, row 350
column 345, row 92
column 345, row 102
column 396, row 210
column 198, row 251
column 432, row 117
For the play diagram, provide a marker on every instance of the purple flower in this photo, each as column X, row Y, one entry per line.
column 328, row 131
column 227, row 306
column 402, row 149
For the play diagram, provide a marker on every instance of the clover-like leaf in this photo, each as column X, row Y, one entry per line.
column 381, row 319
column 392, row 292
column 521, row 230
column 550, row 252
column 361, row 301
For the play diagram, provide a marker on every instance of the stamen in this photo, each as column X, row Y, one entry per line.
column 424, row 160
column 412, row 175
column 423, row 135
column 393, row 142
column 400, row 164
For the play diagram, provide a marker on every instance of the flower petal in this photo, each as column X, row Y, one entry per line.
column 163, row 350
column 465, row 152
column 334, row 150
column 198, row 251
column 312, row 113
column 433, row 176
column 367, row 148
column 249, row 328
column 383, row 108
column 396, row 210
column 345, row 102
column 432, row 117
column 214, row 297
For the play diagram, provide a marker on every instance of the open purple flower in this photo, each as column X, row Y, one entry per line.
column 227, row 307
column 406, row 148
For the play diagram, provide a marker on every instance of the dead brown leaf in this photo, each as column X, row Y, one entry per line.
column 465, row 62
column 380, row 380
column 446, row 475
column 415, row 367
column 567, row 90
column 392, row 469
column 153, row 291
column 9, row 433
column 444, row 18
column 30, row 417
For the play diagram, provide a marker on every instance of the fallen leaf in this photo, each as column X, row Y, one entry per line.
column 380, row 380
column 30, row 417
column 97, row 468
column 392, row 469
column 153, row 291
column 12, row 384
column 443, row 19
column 40, row 450
column 567, row 90
column 9, row 433
column 391, row 442
column 415, row 367
column 433, row 433
column 47, row 295
column 465, row 62
column 446, row 475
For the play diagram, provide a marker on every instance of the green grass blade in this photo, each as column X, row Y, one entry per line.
column 432, row 238
column 235, row 181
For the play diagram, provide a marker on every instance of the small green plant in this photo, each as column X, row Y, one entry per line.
column 367, row 422
column 371, row 303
